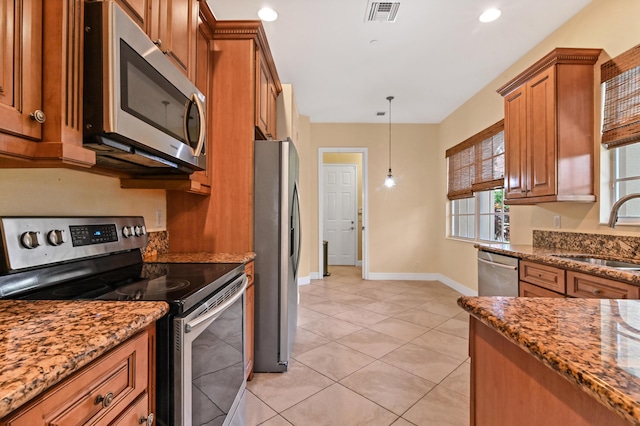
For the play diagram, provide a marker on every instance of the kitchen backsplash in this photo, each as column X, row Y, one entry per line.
column 622, row 246
column 158, row 244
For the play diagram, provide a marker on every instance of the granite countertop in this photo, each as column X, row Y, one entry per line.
column 201, row 257
column 546, row 255
column 593, row 343
column 42, row 342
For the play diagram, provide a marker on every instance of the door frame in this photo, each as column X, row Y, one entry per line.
column 355, row 207
column 365, row 206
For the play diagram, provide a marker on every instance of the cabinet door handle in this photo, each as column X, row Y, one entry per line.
column 104, row 400
column 38, row 115
column 146, row 420
column 597, row 291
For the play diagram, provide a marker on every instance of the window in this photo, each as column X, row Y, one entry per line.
column 625, row 179
column 476, row 182
column 620, row 78
column 483, row 217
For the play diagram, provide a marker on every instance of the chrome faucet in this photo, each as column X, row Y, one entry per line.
column 613, row 218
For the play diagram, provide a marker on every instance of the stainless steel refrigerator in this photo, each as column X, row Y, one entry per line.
column 277, row 247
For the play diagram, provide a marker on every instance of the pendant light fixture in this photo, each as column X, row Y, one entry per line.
column 390, row 181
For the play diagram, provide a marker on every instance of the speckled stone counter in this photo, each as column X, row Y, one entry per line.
column 593, row 343
column 201, row 257
column 42, row 342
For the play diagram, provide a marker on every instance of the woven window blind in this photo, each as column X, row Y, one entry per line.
column 621, row 115
column 477, row 164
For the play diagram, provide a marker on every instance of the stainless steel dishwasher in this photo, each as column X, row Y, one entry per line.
column 497, row 275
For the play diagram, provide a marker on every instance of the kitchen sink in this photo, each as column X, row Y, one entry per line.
column 627, row 266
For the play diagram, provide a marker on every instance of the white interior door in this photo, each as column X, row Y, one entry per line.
column 340, row 212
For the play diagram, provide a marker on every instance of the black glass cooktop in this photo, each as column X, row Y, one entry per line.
column 182, row 285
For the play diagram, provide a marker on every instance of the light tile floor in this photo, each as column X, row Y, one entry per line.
column 370, row 353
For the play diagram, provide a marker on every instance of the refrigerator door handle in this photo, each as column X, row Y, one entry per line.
column 297, row 231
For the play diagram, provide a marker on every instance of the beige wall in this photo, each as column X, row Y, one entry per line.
column 401, row 219
column 60, row 192
column 608, row 24
column 350, row 158
column 304, row 151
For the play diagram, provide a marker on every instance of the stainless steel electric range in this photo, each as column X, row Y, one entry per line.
column 200, row 343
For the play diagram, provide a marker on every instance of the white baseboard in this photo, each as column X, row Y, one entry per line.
column 358, row 262
column 316, row 276
column 304, row 280
column 382, row 276
column 404, row 276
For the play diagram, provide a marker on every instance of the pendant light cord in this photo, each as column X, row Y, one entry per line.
column 390, row 98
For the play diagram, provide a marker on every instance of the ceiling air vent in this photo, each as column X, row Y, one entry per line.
column 382, row 11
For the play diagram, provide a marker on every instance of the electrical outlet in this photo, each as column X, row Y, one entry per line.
column 158, row 218
column 556, row 222
column 417, row 264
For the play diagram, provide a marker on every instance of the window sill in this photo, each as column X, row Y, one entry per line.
column 464, row 240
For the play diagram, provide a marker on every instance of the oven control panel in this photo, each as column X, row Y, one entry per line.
column 28, row 242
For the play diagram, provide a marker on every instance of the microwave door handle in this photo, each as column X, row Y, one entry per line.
column 203, row 125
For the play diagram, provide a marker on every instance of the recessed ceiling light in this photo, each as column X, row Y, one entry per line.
column 267, row 14
column 490, row 15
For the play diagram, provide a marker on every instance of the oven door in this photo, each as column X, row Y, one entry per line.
column 209, row 354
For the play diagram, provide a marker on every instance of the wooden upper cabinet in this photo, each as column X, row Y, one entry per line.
column 549, row 139
column 139, row 11
column 174, row 30
column 224, row 220
column 201, row 181
column 41, row 113
column 266, row 100
column 262, row 95
column 21, row 79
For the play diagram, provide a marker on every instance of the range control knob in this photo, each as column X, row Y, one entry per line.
column 127, row 231
column 140, row 230
column 31, row 239
column 57, row 237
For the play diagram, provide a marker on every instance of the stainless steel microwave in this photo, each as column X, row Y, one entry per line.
column 142, row 115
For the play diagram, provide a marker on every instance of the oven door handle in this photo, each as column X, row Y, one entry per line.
column 212, row 315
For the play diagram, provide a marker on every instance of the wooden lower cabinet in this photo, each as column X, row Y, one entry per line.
column 584, row 285
column 540, row 280
column 545, row 276
column 530, row 290
column 511, row 387
column 250, row 318
column 113, row 388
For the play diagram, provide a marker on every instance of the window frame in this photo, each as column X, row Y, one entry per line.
column 477, row 216
column 613, row 187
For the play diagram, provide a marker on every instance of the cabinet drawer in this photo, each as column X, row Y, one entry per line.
column 583, row 285
column 119, row 376
column 248, row 269
column 137, row 414
column 530, row 290
column 542, row 275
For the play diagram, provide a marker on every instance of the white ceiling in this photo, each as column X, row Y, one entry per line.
column 432, row 59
